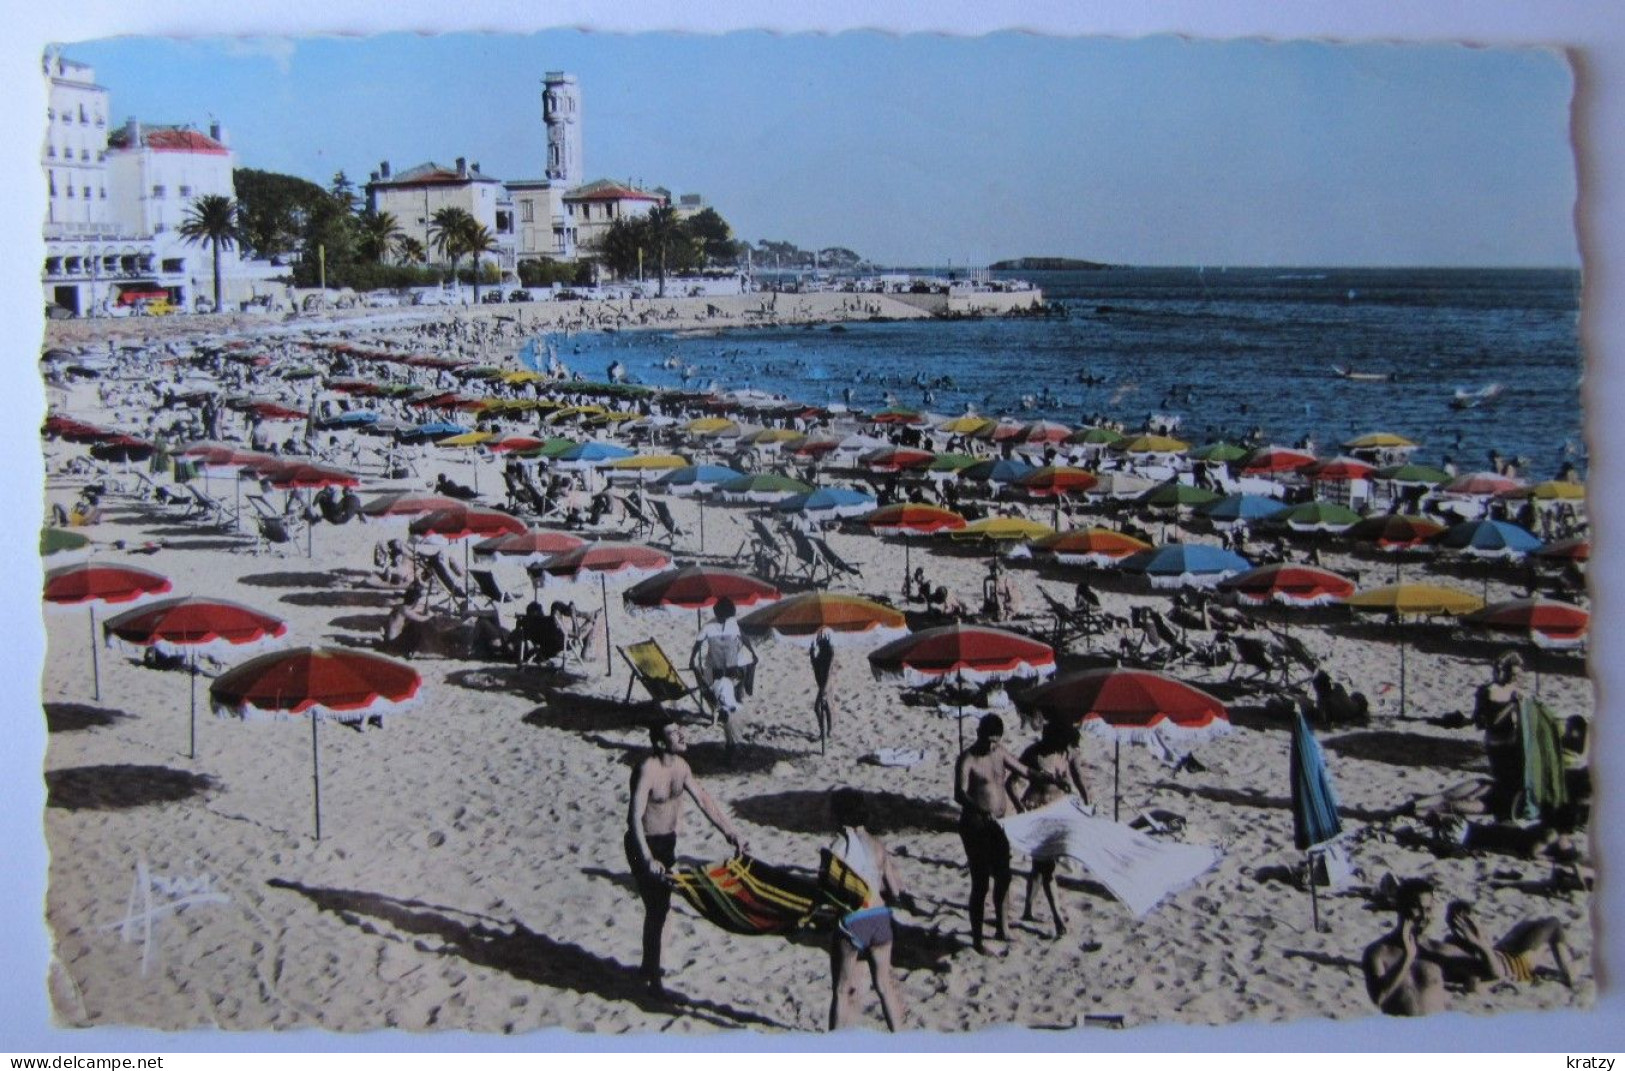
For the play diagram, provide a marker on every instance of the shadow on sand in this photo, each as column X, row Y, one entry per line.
column 1241, row 798
column 293, row 580
column 77, row 717
column 1406, row 749
column 508, row 946
column 119, row 788
column 807, row 811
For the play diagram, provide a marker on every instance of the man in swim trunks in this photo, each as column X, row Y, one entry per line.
column 1515, row 957
column 659, row 782
column 982, row 779
column 1496, row 711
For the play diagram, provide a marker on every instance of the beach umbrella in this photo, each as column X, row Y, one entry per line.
column 1058, row 480
column 404, row 505
column 1549, row 491
column 1317, row 516
column 1414, row 600
column 193, row 625
column 1414, row 474
column 649, row 463
column 515, row 444
column 696, row 479
column 1576, row 550
column 122, row 448
column 534, row 546
column 1476, row 484
column 1489, row 539
column 1338, row 470
column 996, row 470
column 970, row 424
column 1221, row 452
column 1090, row 546
column 1546, row 623
column 897, row 417
column 810, row 447
column 996, row 530
column 1289, row 585
column 1131, row 704
column 1044, row 431
column 824, row 502
column 1151, row 444
column 591, row 454
column 711, row 427
column 765, row 487
column 461, row 522
column 1275, row 460
column 698, row 587
column 1241, row 507
column 1176, row 565
column 772, row 436
column 434, row 430
column 945, row 465
column 1380, row 440
column 896, row 459
column 1314, row 802
column 605, row 558
column 1394, row 531
column 60, row 543
column 466, row 439
column 1172, row 494
column 965, row 654
column 911, row 519
column 850, row 618
column 275, row 411
column 317, row 683
column 86, row 584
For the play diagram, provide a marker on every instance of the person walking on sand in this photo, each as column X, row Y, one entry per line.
column 659, row 782
column 866, row 932
column 982, row 779
column 822, row 656
column 1496, row 711
column 718, row 661
column 1055, row 753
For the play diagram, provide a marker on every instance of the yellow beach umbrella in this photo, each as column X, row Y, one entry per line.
column 1152, row 444
column 1414, row 600
column 642, row 462
column 711, row 425
column 1378, row 440
column 467, row 439
column 965, row 425
column 1000, row 529
column 525, row 376
column 769, row 436
column 1551, row 490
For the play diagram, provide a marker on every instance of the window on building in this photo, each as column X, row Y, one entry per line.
column 50, row 151
column 84, row 154
column 158, row 228
column 158, row 191
column 174, row 265
column 70, row 193
column 86, row 192
column 102, row 192
column 527, row 211
column 52, row 178
column 186, row 191
column 84, row 117
column 100, row 121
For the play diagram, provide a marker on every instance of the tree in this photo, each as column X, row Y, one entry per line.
column 376, row 232
column 714, row 237
column 408, row 250
column 342, row 191
column 619, row 247
column 662, row 231
column 476, row 242
column 272, row 210
column 449, row 229
column 212, row 219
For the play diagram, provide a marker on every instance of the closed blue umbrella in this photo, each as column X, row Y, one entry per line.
column 1314, row 801
column 1176, row 565
column 1489, row 539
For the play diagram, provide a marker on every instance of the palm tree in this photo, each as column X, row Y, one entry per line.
column 212, row 219
column 408, row 250
column 377, row 232
column 479, row 240
column 662, row 229
column 448, row 230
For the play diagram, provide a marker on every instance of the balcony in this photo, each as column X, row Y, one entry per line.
column 72, row 232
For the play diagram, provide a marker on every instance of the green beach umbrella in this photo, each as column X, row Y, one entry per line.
column 1318, row 517
column 1220, row 451
column 60, row 540
column 1175, row 494
column 1413, row 474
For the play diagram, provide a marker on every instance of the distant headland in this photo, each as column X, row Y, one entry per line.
column 1048, row 264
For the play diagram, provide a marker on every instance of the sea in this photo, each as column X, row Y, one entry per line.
column 1230, row 353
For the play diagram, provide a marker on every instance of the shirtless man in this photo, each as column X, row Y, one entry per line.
column 1405, row 969
column 1516, row 956
column 1496, row 711
column 982, row 778
column 1055, row 753
column 659, row 782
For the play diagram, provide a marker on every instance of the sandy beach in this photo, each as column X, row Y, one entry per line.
column 470, row 873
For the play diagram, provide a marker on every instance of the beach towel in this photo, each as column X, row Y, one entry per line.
column 747, row 896
column 1545, row 788
column 1138, row 870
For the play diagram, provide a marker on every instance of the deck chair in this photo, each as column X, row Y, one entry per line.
column 805, row 559
column 1146, row 645
column 202, row 506
column 440, row 585
column 836, row 563
column 487, row 588
column 763, row 550
column 273, row 529
column 659, row 676
column 641, row 523
column 1257, row 656
column 1069, row 622
column 1296, row 653
column 663, row 517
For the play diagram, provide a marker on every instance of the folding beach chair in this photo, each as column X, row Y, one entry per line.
column 218, row 514
column 273, row 529
column 660, row 677
column 805, row 559
column 834, row 562
column 1257, row 656
column 439, row 584
column 641, row 523
column 488, row 589
column 662, row 512
column 1069, row 623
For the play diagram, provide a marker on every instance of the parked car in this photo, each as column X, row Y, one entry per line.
column 519, row 295
column 491, row 297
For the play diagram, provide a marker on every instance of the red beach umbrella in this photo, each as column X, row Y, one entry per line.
column 1288, row 584
column 1339, row 470
column 86, row 584
column 1045, row 431
column 302, row 476
column 407, row 505
column 799, row 618
column 1481, row 483
column 1056, row 480
column 1393, row 531
column 1133, row 704
column 912, row 519
column 606, row 558
column 460, row 522
column 318, row 682
column 1274, row 460
column 191, row 624
column 1544, row 622
column 1090, row 546
column 274, row 411
column 533, row 546
column 698, row 587
column 896, row 459
column 1578, row 550
column 965, row 654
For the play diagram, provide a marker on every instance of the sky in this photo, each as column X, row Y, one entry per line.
column 926, row 149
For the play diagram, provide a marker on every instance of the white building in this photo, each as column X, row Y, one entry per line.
column 416, row 194
column 591, row 209
column 74, row 153
column 157, row 173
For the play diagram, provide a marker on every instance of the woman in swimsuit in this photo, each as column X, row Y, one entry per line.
column 865, row 933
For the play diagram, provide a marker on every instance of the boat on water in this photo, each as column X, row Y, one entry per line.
column 1365, row 377
column 1475, row 399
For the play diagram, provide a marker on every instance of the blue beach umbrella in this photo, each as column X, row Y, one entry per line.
column 1175, row 565
column 692, row 478
column 355, row 418
column 1001, row 470
column 1233, row 508
column 829, row 501
column 593, row 452
column 440, row 429
column 1489, row 539
column 1314, row 801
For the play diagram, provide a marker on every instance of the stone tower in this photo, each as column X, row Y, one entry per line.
column 561, row 111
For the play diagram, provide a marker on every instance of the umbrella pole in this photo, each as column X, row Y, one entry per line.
column 1314, row 894
column 316, row 771
column 95, row 661
column 192, row 748
column 1402, row 646
column 236, row 503
column 1117, row 776
column 907, row 571
column 310, row 532
column 702, row 525
column 603, row 586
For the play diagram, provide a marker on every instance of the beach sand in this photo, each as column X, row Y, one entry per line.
column 471, row 875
